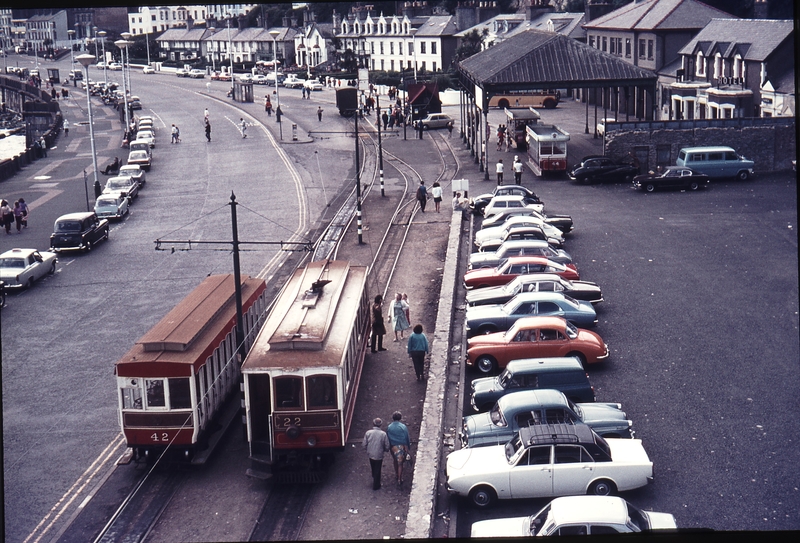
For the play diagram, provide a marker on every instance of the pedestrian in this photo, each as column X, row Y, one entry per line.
column 517, row 166
column 417, row 349
column 174, row 134
column 398, row 316
column 378, row 328
column 450, row 129
column 66, row 128
column 43, row 145
column 319, row 113
column 18, row 216
column 385, row 119
column 25, row 211
column 178, row 133
column 461, row 204
column 399, row 443
column 243, row 127
column 6, row 216
column 208, row 130
column 499, row 171
column 205, row 115
column 268, row 105
column 53, row 93
column 436, row 192
column 303, row 92
column 422, row 195
column 376, row 444
column 404, row 297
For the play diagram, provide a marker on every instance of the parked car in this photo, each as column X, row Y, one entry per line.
column 504, row 203
column 313, row 85
column 514, row 266
column 671, row 178
column 147, row 135
column 135, row 103
column 148, row 70
column 22, row 267
column 126, row 186
column 260, row 79
column 182, row 72
column 135, row 171
column 601, row 169
column 141, row 145
column 521, row 247
column 220, row 76
column 479, row 202
column 434, row 120
column 197, row 74
column 548, row 460
column 112, row 205
column 292, row 82
column 246, row 78
column 523, row 408
column 488, row 319
column 78, row 231
column 565, row 374
column 535, row 282
column 519, row 233
column 716, row 162
column 578, row 515
column 140, row 158
column 495, row 232
column 535, row 337
column 115, row 66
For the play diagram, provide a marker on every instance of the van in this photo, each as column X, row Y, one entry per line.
column 565, row 374
column 715, row 162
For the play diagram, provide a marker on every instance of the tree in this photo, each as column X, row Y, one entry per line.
column 349, row 62
column 470, row 44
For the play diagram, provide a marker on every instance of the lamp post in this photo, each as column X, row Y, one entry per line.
column 147, row 43
column 414, row 46
column 230, row 52
column 96, row 54
column 124, row 44
column 127, row 37
column 85, row 61
column 211, row 46
column 102, row 35
column 71, row 34
column 278, row 113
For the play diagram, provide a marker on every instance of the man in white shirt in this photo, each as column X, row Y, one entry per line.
column 517, row 170
column 499, row 171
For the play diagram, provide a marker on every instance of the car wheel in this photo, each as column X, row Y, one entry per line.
column 743, row 175
column 30, row 282
column 603, row 487
column 549, row 103
column 52, row 268
column 579, row 356
column 485, row 364
column 694, row 185
column 649, row 187
column 482, row 496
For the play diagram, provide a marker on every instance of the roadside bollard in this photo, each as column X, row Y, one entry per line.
column 294, row 132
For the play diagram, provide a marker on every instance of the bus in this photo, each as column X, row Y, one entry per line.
column 547, row 99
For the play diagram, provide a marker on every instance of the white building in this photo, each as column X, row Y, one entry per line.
column 152, row 20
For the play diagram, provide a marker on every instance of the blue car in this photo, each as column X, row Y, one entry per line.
column 486, row 319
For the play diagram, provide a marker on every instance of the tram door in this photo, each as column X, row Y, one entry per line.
column 260, row 418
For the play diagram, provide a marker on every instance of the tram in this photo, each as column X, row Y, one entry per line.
column 174, row 382
column 301, row 376
column 518, row 122
column 547, row 149
column 347, row 100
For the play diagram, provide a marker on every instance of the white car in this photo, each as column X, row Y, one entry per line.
column 197, row 74
column 115, row 66
column 578, row 515
column 135, row 171
column 548, row 460
column 148, row 136
column 148, row 70
column 601, row 124
column 21, row 267
column 313, row 85
column 246, row 78
column 293, row 83
column 260, row 79
column 497, row 232
column 499, row 204
column 111, row 205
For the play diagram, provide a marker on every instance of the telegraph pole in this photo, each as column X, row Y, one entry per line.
column 358, row 187
column 237, row 279
column 380, row 144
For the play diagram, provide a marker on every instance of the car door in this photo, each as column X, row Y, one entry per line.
column 521, row 346
column 573, row 470
column 37, row 265
column 551, row 342
column 532, row 475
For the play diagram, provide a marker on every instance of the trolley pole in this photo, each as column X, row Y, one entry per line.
column 237, row 279
column 358, row 188
column 380, row 144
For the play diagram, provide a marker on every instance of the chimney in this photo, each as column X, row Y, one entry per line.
column 240, row 22
column 761, row 9
column 293, row 20
column 337, row 22
column 596, row 9
column 285, row 21
column 537, row 8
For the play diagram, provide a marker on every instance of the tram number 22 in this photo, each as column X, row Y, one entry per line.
column 289, row 421
column 163, row 437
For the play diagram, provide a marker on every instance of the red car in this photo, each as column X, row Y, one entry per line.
column 535, row 337
column 518, row 265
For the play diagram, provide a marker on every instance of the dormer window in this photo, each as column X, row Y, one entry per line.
column 701, row 65
column 738, row 66
column 719, row 66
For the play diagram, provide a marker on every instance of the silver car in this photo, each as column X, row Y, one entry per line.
column 434, row 120
column 112, row 205
column 135, row 171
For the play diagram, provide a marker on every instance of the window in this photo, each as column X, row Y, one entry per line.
column 571, row 454
column 619, row 46
column 612, row 47
column 605, row 44
column 391, row 47
column 381, row 47
column 411, row 48
column 641, row 48
column 701, row 65
column 288, row 392
column 649, row 49
column 391, row 65
column 400, row 50
column 179, row 395
column 591, row 41
column 372, row 47
column 321, row 391
column 627, row 47
column 421, row 47
column 433, row 50
column 547, row 308
column 155, row 393
column 434, row 66
column 422, row 66
column 132, row 395
column 382, row 67
column 548, row 335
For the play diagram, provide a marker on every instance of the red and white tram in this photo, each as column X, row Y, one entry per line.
column 301, row 376
column 547, row 148
column 176, row 379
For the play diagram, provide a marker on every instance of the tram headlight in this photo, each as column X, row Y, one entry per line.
column 311, row 441
column 293, row 432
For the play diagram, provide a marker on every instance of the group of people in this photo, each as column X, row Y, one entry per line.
column 400, row 317
column 503, row 138
column 176, row 134
column 435, row 192
column 394, row 440
column 18, row 215
column 517, row 168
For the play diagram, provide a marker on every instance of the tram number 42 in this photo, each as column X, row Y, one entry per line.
column 163, row 437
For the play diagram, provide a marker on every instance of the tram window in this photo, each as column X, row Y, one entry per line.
column 155, row 393
column 288, row 392
column 131, row 397
column 179, row 395
column 321, row 391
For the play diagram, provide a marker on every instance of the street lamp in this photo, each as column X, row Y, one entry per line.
column 102, row 35
column 85, row 61
column 127, row 37
column 71, row 34
column 274, row 34
column 230, row 52
column 94, row 31
column 124, row 44
column 147, row 43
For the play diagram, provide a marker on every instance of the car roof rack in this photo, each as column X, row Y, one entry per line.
column 549, row 434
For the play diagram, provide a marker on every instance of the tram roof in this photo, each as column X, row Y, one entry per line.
column 537, row 59
column 318, row 322
column 180, row 343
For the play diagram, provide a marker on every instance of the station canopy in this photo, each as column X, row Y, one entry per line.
column 536, row 59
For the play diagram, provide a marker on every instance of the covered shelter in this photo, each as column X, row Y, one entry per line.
column 539, row 60
column 423, row 99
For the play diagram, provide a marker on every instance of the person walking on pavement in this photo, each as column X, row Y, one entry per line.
column 243, row 127
column 319, row 113
column 66, row 128
column 499, row 171
column 436, row 192
column 398, row 316
column 400, row 444
column 208, row 130
column 6, row 215
column 18, row 216
column 205, row 115
column 174, row 134
column 417, row 349
column 268, row 105
column 385, row 119
column 517, row 170
column 404, row 297
column 24, row 207
column 422, row 195
column 376, row 444
column 450, row 129
column 378, row 328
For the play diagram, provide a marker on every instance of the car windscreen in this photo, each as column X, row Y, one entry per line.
column 68, row 226
column 572, row 330
column 117, row 184
column 12, row 263
column 138, row 155
column 106, row 202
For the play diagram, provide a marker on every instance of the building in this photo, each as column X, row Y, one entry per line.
column 152, row 20
column 181, row 44
column 314, row 44
column 248, row 45
column 47, row 31
column 735, row 68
